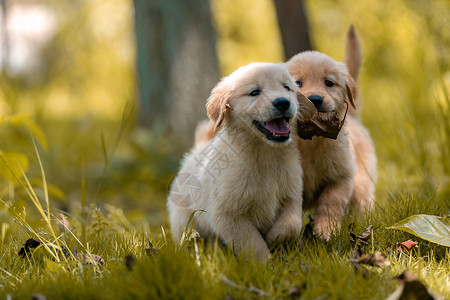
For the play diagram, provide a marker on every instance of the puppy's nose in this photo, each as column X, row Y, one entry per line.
column 282, row 104
column 316, row 100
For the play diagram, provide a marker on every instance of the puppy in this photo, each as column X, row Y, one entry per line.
column 247, row 179
column 341, row 171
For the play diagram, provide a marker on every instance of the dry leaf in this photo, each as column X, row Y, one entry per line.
column 362, row 238
column 294, row 292
column 325, row 124
column 408, row 245
column 29, row 244
column 376, row 259
column 90, row 259
column 151, row 250
column 410, row 288
column 37, row 296
column 130, row 261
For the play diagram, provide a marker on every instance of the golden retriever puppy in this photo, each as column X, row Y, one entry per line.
column 342, row 170
column 247, row 179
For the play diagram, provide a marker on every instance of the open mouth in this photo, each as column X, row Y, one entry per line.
column 276, row 130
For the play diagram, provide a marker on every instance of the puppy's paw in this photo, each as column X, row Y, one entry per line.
column 285, row 231
column 324, row 227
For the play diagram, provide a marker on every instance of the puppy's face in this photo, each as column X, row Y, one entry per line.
column 324, row 81
column 260, row 99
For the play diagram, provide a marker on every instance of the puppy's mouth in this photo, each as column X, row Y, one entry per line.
column 276, row 130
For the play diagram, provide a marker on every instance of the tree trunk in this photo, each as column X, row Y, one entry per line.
column 177, row 65
column 4, row 38
column 293, row 25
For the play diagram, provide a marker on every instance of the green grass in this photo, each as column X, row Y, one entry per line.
column 315, row 269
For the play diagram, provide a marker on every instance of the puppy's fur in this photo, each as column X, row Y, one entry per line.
column 336, row 172
column 249, row 186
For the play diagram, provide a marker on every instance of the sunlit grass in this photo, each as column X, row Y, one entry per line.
column 210, row 272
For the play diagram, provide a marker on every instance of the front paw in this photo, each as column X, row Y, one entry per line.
column 323, row 227
column 286, row 231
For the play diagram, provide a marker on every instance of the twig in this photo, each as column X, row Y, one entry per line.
column 251, row 289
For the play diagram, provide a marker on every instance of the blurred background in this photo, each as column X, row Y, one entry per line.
column 110, row 91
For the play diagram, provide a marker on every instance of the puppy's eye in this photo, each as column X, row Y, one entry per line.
column 286, row 88
column 255, row 93
column 329, row 83
column 298, row 83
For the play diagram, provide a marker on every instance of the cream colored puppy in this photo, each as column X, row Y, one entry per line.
column 341, row 171
column 247, row 179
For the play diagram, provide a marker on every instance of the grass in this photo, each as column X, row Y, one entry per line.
column 314, row 270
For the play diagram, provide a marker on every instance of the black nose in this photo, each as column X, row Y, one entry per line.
column 316, row 100
column 282, row 104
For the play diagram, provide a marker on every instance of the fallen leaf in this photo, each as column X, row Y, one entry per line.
column 406, row 276
column 410, row 288
column 130, row 261
column 29, row 244
column 376, row 259
column 91, row 259
column 37, row 296
column 407, row 244
column 151, row 250
column 431, row 228
column 359, row 240
column 294, row 292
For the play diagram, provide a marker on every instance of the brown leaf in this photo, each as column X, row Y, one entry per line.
column 130, row 261
column 361, row 239
column 151, row 250
column 407, row 244
column 37, row 296
column 406, row 276
column 356, row 254
column 294, row 292
column 410, row 288
column 29, row 244
column 325, row 124
column 376, row 259
column 90, row 259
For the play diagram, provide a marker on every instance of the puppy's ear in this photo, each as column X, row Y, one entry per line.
column 306, row 109
column 352, row 90
column 216, row 105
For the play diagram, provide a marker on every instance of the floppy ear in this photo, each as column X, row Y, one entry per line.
column 306, row 109
column 352, row 90
column 216, row 105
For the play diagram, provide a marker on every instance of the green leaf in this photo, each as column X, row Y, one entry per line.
column 431, row 228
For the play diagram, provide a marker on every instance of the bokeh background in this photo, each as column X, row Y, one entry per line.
column 71, row 80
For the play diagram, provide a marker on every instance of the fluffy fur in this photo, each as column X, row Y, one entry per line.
column 248, row 186
column 342, row 171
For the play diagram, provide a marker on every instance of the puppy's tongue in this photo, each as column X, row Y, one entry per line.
column 278, row 126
